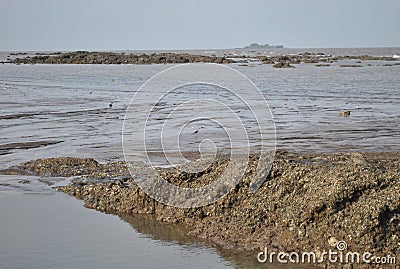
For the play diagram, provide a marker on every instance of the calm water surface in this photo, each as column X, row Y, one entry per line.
column 66, row 107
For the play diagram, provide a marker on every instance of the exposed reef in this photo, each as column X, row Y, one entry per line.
column 307, row 203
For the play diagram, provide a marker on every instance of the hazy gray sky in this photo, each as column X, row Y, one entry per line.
column 180, row 24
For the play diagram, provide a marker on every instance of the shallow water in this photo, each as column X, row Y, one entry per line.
column 63, row 110
column 42, row 228
column 55, row 231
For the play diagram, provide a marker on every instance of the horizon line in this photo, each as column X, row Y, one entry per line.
column 172, row 49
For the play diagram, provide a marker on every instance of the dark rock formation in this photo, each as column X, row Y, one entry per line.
column 85, row 57
column 351, row 65
column 283, row 65
column 308, row 202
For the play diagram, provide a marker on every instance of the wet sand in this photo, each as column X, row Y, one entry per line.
column 308, row 202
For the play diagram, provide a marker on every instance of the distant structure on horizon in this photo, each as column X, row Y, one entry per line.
column 266, row 46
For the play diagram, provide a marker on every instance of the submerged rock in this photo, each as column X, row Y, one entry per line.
column 351, row 65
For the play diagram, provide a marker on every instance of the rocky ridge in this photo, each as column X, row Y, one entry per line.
column 307, row 203
column 86, row 57
column 279, row 61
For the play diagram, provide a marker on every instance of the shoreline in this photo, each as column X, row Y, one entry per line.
column 307, row 202
column 279, row 60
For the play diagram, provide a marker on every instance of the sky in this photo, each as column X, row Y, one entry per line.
column 196, row 24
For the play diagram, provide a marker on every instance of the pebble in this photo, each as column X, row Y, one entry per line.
column 332, row 241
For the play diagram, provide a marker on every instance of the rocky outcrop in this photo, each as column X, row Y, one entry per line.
column 306, row 203
column 319, row 58
column 85, row 57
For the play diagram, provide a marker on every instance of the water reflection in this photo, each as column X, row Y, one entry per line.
column 177, row 234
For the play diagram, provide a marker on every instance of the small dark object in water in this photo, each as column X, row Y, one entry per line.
column 351, row 65
column 344, row 113
column 110, row 105
column 24, row 181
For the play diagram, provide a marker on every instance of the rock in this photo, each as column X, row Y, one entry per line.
column 344, row 113
column 310, row 61
column 282, row 65
column 332, row 241
column 351, row 65
column 85, row 57
column 358, row 158
column 64, row 166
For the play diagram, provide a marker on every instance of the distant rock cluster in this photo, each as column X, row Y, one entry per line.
column 277, row 61
column 85, row 57
column 318, row 58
